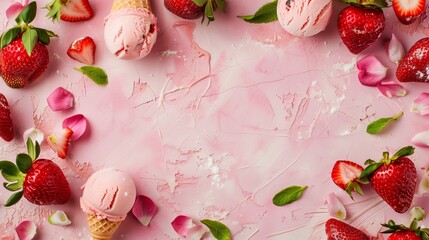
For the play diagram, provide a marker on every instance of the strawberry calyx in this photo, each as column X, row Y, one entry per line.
column 14, row 173
column 423, row 233
column 30, row 35
column 54, row 8
column 367, row 3
column 210, row 7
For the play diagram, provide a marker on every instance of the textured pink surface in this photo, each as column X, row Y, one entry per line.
column 215, row 121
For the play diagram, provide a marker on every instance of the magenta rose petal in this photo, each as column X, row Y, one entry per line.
column 26, row 230
column 371, row 71
column 77, row 123
column 182, row 224
column 60, row 99
column 144, row 209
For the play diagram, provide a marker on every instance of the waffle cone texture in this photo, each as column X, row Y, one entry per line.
column 102, row 229
column 131, row 4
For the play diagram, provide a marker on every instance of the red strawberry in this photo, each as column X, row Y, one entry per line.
column 394, row 179
column 6, row 126
column 401, row 232
column 359, row 27
column 59, row 141
column 405, row 235
column 408, row 11
column 70, row 10
column 337, row 230
column 345, row 175
column 414, row 67
column 190, row 9
column 82, row 50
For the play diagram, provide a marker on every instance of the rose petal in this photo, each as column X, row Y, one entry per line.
column 335, row 207
column 421, row 139
column 26, row 230
column 395, row 49
column 60, row 99
column 14, row 10
column 34, row 134
column 391, row 89
column 417, row 213
column 196, row 232
column 371, row 71
column 182, row 224
column 144, row 209
column 423, row 185
column 8, row 236
column 77, row 123
column 420, row 105
column 59, row 218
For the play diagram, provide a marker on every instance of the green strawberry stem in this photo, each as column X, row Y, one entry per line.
column 367, row 3
column 392, row 227
column 210, row 7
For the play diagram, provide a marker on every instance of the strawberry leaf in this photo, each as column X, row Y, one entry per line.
column 220, row 4
column 267, row 13
column 370, row 170
column 96, row 74
column 209, row 11
column 29, row 40
column 54, row 8
column 403, row 152
column 24, row 162
column 9, row 36
column 288, row 195
column 200, row 2
column 9, row 171
column 43, row 36
column 14, row 199
column 218, row 229
column 37, row 147
column 15, row 186
column 378, row 125
column 31, row 149
column 28, row 14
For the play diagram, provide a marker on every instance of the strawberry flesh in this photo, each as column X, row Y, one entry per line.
column 59, row 141
column 414, row 67
column 186, row 9
column 337, row 230
column 408, row 11
column 404, row 235
column 76, row 11
column 345, row 172
column 6, row 126
column 82, row 50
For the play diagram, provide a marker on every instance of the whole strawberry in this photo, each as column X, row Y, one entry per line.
column 24, row 55
column 394, row 178
column 401, row 232
column 360, row 26
column 40, row 181
column 6, row 126
column 193, row 9
column 413, row 67
column 337, row 230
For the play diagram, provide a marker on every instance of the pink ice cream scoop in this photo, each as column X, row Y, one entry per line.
column 304, row 18
column 108, row 194
column 130, row 30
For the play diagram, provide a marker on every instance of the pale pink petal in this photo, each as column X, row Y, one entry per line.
column 182, row 224
column 335, row 207
column 144, row 209
column 60, row 99
column 14, row 10
column 77, row 123
column 24, row 2
column 26, row 230
column 371, row 71
column 417, row 213
column 391, row 89
column 421, row 104
column 395, row 49
column 421, row 139
column 7, row 236
column 424, row 184
column 196, row 232
column 34, row 134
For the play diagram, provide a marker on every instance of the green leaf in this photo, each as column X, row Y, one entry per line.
column 370, row 170
column 96, row 74
column 14, row 199
column 288, row 195
column 9, row 171
column 31, row 150
column 200, row 2
column 220, row 4
column 219, row 230
column 24, row 162
column 9, row 36
column 267, row 13
column 43, row 36
column 369, row 162
column 209, row 11
column 37, row 150
column 29, row 40
column 28, row 14
column 54, row 8
column 378, row 125
column 15, row 186
column 403, row 152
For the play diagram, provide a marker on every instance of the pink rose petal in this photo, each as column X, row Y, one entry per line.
column 391, row 89
column 182, row 224
column 335, row 207
column 26, row 230
column 395, row 49
column 196, row 232
column 8, row 236
column 421, row 139
column 144, row 209
column 34, row 134
column 371, row 71
column 60, row 99
column 421, row 104
column 77, row 123
column 14, row 10
column 423, row 185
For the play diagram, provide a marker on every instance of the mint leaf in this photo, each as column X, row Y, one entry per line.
column 24, row 162
column 9, row 171
column 288, row 195
column 218, row 229
column 28, row 14
column 9, row 36
column 378, row 125
column 267, row 13
column 14, row 199
column 96, row 74
column 29, row 40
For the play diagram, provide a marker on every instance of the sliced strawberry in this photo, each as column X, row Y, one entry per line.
column 82, row 50
column 59, row 141
column 345, row 175
column 70, row 10
column 6, row 126
column 408, row 11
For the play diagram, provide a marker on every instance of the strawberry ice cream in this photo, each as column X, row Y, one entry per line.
column 108, row 194
column 304, row 18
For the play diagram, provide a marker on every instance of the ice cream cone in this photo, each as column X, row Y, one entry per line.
column 131, row 4
column 102, row 229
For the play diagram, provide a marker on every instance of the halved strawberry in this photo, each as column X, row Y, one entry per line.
column 82, row 50
column 59, row 141
column 408, row 11
column 70, row 10
column 6, row 125
column 345, row 175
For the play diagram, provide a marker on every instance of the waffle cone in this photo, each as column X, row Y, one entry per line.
column 102, row 229
column 131, row 4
